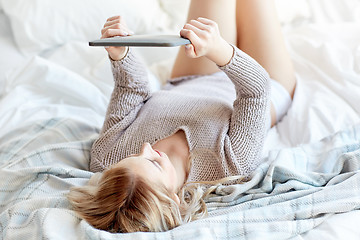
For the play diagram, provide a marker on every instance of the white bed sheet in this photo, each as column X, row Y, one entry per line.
column 10, row 55
column 326, row 56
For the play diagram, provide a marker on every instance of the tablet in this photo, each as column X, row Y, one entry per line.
column 142, row 41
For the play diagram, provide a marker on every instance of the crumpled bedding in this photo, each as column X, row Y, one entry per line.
column 53, row 104
column 294, row 191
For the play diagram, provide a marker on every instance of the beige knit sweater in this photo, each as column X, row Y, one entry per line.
column 225, row 118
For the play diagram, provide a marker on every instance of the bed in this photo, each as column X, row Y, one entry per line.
column 54, row 91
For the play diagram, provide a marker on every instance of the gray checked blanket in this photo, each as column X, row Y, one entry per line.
column 292, row 192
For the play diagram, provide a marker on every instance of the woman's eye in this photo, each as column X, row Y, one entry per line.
column 156, row 164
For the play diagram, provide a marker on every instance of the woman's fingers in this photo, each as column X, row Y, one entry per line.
column 114, row 32
column 118, row 26
column 190, row 51
column 115, row 26
column 114, row 18
column 206, row 41
column 116, row 22
column 207, row 21
column 194, row 39
column 198, row 31
column 191, row 35
column 113, row 23
column 200, row 25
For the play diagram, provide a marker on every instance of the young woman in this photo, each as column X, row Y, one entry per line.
column 208, row 123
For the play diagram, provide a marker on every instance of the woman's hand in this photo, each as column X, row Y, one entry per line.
column 115, row 26
column 206, row 41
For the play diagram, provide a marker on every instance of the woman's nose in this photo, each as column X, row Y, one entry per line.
column 146, row 149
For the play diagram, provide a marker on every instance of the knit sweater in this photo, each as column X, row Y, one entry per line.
column 224, row 117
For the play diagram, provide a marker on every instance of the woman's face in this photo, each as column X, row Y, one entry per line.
column 152, row 165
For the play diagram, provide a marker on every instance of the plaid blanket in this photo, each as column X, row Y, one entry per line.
column 294, row 191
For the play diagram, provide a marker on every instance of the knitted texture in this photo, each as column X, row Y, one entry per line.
column 224, row 117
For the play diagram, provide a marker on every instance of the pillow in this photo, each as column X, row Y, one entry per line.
column 43, row 24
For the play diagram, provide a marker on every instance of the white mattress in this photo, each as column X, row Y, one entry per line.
column 324, row 42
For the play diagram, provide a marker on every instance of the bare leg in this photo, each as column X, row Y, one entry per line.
column 222, row 12
column 260, row 36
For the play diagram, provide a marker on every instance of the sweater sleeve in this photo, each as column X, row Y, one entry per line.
column 250, row 118
column 131, row 90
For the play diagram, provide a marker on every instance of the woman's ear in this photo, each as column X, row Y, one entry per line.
column 176, row 198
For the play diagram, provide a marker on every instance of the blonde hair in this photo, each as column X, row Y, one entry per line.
column 119, row 200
